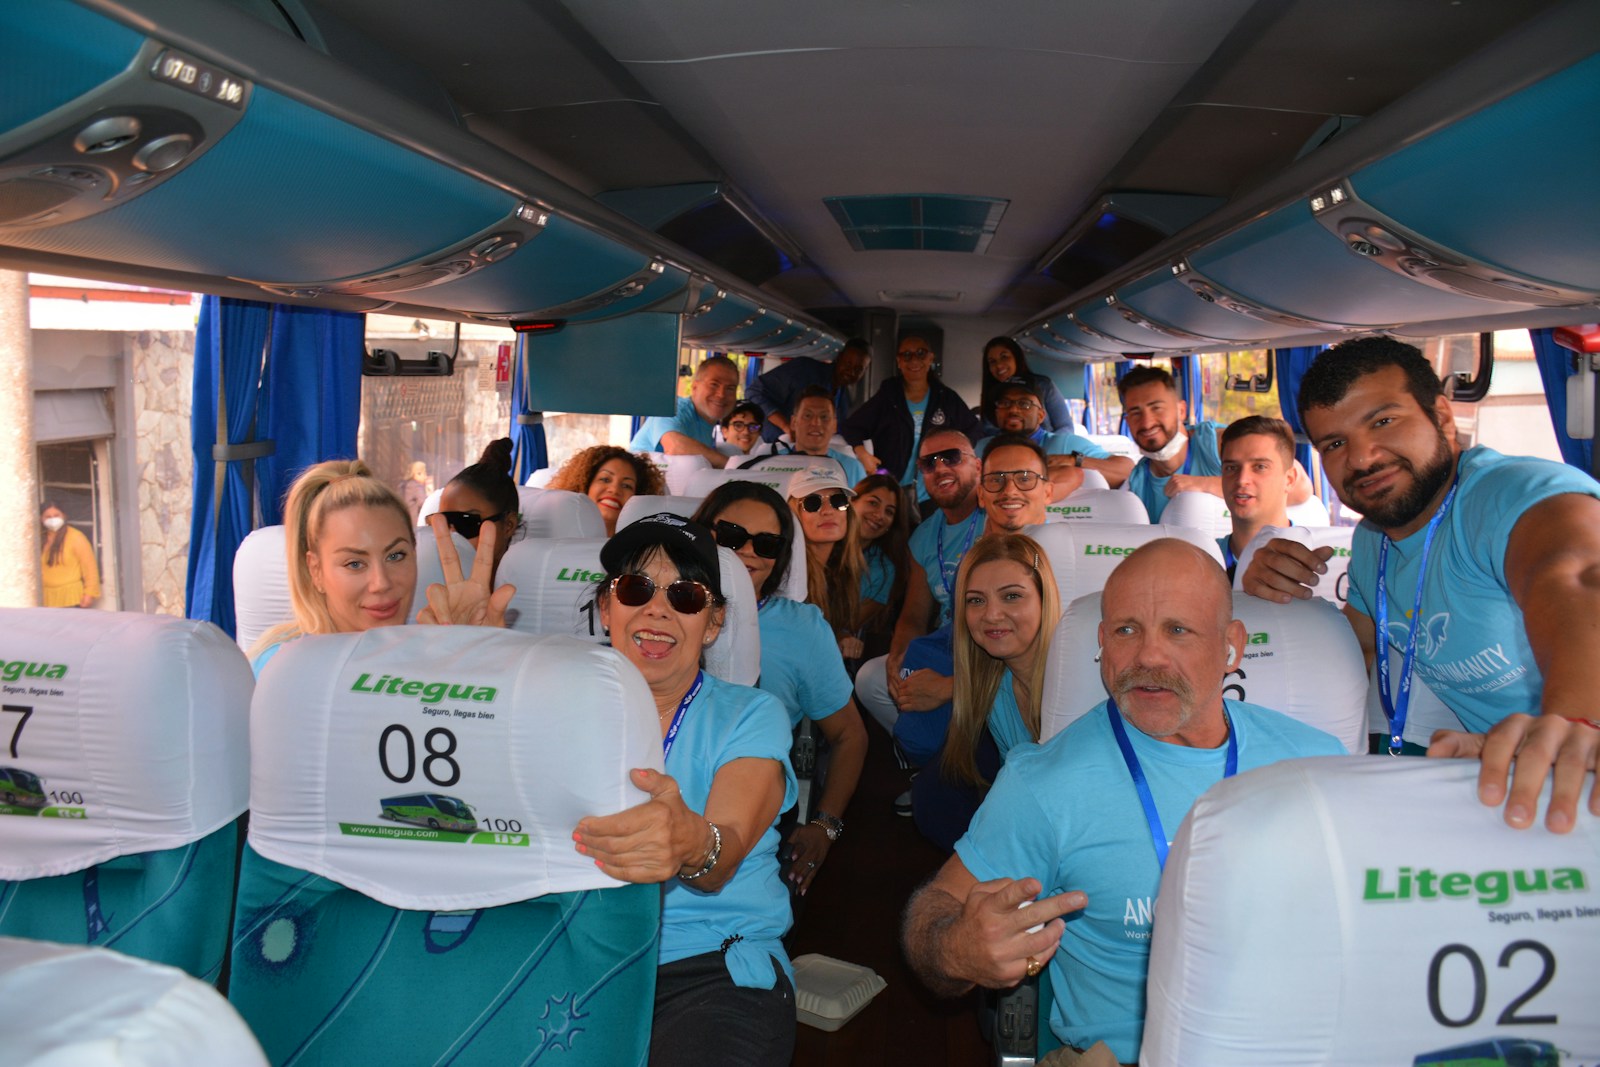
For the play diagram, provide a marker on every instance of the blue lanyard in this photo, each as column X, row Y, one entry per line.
column 1394, row 709
column 1158, row 836
column 1227, row 555
column 947, row 580
column 677, row 716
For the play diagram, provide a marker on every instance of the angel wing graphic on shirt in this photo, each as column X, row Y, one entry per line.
column 1430, row 639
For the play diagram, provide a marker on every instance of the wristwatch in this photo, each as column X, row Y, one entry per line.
column 831, row 825
column 1077, row 459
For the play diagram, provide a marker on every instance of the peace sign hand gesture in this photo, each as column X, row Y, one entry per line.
column 465, row 601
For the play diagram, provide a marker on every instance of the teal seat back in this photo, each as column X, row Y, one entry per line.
column 124, row 767
column 325, row 975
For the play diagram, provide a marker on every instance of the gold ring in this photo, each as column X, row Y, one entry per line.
column 1034, row 967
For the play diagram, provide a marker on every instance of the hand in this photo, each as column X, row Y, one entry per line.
column 922, row 690
column 1284, row 570
column 649, row 842
column 851, row 646
column 86, row 601
column 870, row 463
column 808, row 847
column 1536, row 744
column 465, row 601
column 1188, row 483
column 991, row 943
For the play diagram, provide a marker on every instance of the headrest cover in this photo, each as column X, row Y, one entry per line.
column 1093, row 479
column 116, row 1011
column 1350, row 912
column 430, row 570
column 1301, row 659
column 678, row 470
column 1333, row 586
column 261, row 584
column 794, row 584
column 702, row 483
column 124, row 733
column 555, row 581
column 560, row 513
column 1083, row 554
column 1199, row 511
column 1100, row 505
column 663, row 529
column 444, row 767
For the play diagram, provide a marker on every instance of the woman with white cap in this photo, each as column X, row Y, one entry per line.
column 820, row 498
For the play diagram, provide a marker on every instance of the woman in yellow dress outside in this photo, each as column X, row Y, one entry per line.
column 70, row 577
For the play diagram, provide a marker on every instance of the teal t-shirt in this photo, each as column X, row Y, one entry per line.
column 686, row 420
column 800, row 660
column 938, row 547
column 877, row 579
column 1202, row 461
column 1005, row 718
column 724, row 723
column 1057, row 444
column 1473, row 650
column 853, row 470
column 918, row 409
column 1066, row 812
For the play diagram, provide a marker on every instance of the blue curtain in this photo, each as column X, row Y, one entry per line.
column 310, row 397
column 1090, row 423
column 752, row 370
column 527, row 435
column 1187, row 376
column 229, row 343
column 1289, row 366
column 1555, row 367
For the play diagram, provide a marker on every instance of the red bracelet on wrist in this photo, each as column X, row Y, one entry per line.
column 1591, row 723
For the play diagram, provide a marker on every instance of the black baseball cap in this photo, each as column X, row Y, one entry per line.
column 664, row 529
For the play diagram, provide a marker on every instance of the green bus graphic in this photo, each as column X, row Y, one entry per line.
column 21, row 789
column 433, row 810
column 1494, row 1052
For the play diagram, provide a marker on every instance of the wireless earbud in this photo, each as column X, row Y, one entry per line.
column 1227, row 657
column 1098, row 649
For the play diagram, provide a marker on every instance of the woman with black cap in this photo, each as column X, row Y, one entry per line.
column 724, row 991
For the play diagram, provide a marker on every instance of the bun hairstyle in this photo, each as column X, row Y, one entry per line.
column 491, row 479
column 320, row 491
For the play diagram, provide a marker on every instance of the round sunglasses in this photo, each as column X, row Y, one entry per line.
column 733, row 537
column 683, row 596
column 835, row 500
column 467, row 524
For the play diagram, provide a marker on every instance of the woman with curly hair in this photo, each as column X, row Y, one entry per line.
column 609, row 476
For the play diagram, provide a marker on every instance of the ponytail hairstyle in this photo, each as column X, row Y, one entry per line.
column 491, row 479
column 978, row 674
column 320, row 491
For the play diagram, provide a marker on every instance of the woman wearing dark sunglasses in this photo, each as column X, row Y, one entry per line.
column 485, row 493
column 724, row 988
column 800, row 662
column 820, row 499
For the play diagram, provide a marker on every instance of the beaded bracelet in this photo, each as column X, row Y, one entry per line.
column 711, row 857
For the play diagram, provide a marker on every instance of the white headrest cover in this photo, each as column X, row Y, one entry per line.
column 261, row 584
column 444, row 767
column 429, row 569
column 1083, row 555
column 794, row 584
column 1312, row 513
column 1199, row 511
column 555, row 582
column 131, row 735
column 703, row 482
column 121, row 1011
column 1301, row 659
column 1333, row 586
column 1350, row 912
column 1100, row 505
column 1117, row 444
column 677, row 470
column 430, row 504
column 560, row 513
column 1093, row 479
column 540, row 478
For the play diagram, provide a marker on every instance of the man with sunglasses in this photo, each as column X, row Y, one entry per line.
column 1020, row 410
column 688, row 432
column 778, row 391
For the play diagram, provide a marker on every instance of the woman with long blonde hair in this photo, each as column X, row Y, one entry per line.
column 820, row 499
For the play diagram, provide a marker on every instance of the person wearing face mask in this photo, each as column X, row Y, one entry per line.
column 69, row 576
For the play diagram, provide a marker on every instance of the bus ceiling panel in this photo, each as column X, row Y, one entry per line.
column 1515, row 186
column 623, row 366
column 1288, row 261
column 1066, row 330
column 52, row 52
column 767, row 328
column 1164, row 298
column 665, row 292
column 731, row 321
column 288, row 194
column 1142, row 332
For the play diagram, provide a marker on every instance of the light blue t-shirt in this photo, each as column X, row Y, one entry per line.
column 1066, row 812
column 853, row 470
column 1473, row 650
column 918, row 409
column 724, row 723
column 1201, row 461
column 264, row 657
column 938, row 547
column 1005, row 718
column 800, row 660
column 686, row 421
column 877, row 578
column 1056, row 444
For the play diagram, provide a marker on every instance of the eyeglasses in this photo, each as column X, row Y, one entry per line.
column 1021, row 403
column 950, row 457
column 683, row 596
column 744, row 427
column 995, row 481
column 835, row 500
column 917, row 354
column 467, row 524
column 733, row 537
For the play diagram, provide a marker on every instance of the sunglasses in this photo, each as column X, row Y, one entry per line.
column 683, row 596
column 915, row 354
column 835, row 500
column 995, row 481
column 733, row 537
column 950, row 457
column 1020, row 403
column 468, row 524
